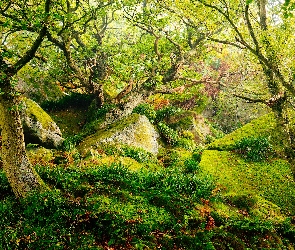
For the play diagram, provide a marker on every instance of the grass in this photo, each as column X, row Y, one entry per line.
column 103, row 205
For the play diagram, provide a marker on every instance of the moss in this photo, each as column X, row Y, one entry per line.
column 267, row 210
column 264, row 126
column 223, row 211
column 36, row 113
column 183, row 121
column 271, row 180
column 108, row 160
column 40, row 156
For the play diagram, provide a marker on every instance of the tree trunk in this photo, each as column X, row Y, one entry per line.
column 21, row 175
column 287, row 131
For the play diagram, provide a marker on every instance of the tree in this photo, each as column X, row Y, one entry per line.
column 28, row 23
column 260, row 29
column 77, row 31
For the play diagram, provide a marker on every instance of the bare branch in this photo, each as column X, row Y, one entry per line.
column 250, row 29
column 227, row 42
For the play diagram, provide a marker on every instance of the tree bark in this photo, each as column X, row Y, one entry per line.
column 19, row 171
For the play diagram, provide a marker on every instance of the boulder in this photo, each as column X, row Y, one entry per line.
column 134, row 130
column 264, row 126
column 38, row 126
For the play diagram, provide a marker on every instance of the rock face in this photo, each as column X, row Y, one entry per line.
column 134, row 130
column 38, row 126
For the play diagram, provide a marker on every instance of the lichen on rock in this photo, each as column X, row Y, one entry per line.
column 134, row 130
column 39, row 127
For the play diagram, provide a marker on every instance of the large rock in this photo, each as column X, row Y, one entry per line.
column 134, row 130
column 264, row 126
column 38, row 126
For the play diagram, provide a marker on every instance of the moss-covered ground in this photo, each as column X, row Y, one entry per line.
column 122, row 197
column 264, row 126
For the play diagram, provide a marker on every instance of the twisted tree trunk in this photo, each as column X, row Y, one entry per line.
column 19, row 171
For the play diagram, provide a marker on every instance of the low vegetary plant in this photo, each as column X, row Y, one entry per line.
column 156, row 116
column 170, row 135
column 167, row 112
column 138, row 154
column 147, row 110
column 253, row 148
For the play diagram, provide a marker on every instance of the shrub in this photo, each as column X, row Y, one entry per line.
column 167, row 112
column 253, row 148
column 185, row 143
column 197, row 154
column 138, row 154
column 170, row 135
column 147, row 110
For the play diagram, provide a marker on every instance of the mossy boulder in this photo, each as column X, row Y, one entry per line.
column 271, row 180
column 134, row 130
column 38, row 126
column 264, row 126
column 192, row 122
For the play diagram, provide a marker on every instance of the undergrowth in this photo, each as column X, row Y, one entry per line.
column 110, row 206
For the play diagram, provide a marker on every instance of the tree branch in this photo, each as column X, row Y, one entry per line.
column 31, row 52
column 249, row 99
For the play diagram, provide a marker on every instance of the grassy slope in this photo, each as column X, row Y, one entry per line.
column 271, row 180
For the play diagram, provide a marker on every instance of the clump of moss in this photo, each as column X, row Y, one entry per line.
column 36, row 113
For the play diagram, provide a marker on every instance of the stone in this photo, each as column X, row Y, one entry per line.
column 38, row 126
column 134, row 130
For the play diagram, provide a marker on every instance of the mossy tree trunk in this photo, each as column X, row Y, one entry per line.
column 19, row 171
column 286, row 128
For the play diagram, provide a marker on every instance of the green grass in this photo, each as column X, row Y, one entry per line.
column 104, row 205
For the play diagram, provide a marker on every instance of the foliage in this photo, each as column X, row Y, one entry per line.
column 156, row 116
column 167, row 112
column 104, row 204
column 112, row 206
column 147, row 110
column 138, row 154
column 253, row 148
column 170, row 135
